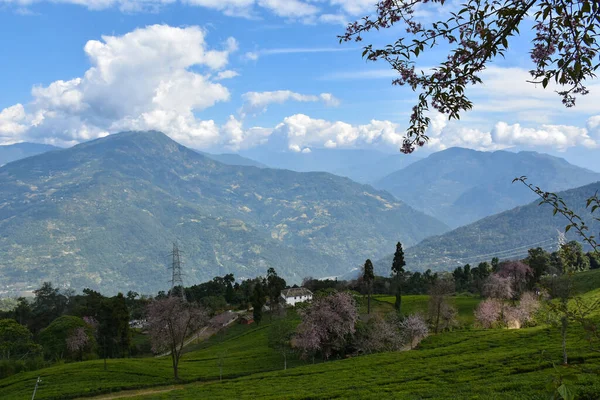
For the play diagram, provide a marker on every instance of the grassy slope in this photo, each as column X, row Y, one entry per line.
column 493, row 364
column 419, row 303
column 482, row 364
column 244, row 347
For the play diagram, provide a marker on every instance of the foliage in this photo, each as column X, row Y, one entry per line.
column 442, row 315
column 377, row 335
column 170, row 322
column 564, row 49
column 413, row 329
column 326, row 324
column 55, row 338
column 398, row 264
column 519, row 273
column 488, row 312
column 259, row 299
column 16, row 341
column 498, row 287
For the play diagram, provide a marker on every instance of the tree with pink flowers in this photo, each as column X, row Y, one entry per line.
column 488, row 313
column 171, row 320
column 326, row 325
column 77, row 342
column 413, row 329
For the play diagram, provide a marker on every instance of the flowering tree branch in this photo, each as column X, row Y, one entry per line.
column 565, row 49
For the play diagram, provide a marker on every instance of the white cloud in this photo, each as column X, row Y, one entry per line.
column 226, row 75
column 302, row 131
column 141, row 80
column 559, row 137
column 255, row 55
column 307, row 11
column 256, row 102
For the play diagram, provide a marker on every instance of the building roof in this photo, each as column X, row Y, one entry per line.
column 294, row 292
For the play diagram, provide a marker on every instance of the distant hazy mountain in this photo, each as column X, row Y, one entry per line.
column 103, row 215
column 459, row 186
column 362, row 166
column 507, row 235
column 13, row 152
column 234, row 159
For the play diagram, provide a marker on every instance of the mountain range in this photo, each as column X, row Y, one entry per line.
column 104, row 214
column 507, row 235
column 13, row 152
column 459, row 186
column 360, row 165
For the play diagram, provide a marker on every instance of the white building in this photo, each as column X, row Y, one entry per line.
column 296, row 295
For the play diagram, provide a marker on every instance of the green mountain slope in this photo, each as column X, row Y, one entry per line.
column 13, row 152
column 507, row 235
column 103, row 214
column 459, row 186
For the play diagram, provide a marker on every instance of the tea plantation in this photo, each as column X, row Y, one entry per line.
column 464, row 364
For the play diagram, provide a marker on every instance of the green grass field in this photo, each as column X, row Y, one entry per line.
column 411, row 304
column 244, row 348
column 470, row 363
column 493, row 364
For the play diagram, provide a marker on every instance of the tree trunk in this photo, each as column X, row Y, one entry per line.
column 105, row 353
column 369, row 302
column 437, row 319
column 284, row 361
column 564, row 325
column 398, row 304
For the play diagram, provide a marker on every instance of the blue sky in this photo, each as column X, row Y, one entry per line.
column 228, row 75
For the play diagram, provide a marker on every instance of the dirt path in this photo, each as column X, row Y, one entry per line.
column 133, row 393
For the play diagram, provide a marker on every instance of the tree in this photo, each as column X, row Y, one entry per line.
column 55, row 338
column 259, row 299
column 48, row 305
column 398, row 265
column 16, row 341
column 439, row 308
column 538, row 260
column 171, row 321
column 326, row 324
column 564, row 50
column 498, row 287
column 368, row 277
column 378, row 335
column 488, row 313
column 280, row 336
column 275, row 285
column 77, row 341
column 413, row 329
column 519, row 274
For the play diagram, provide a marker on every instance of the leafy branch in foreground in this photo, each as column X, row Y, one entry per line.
column 560, row 207
column 565, row 49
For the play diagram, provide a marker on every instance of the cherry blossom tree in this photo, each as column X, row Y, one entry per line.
column 378, row 334
column 519, row 273
column 326, row 325
column 171, row 320
column 498, row 287
column 565, row 49
column 488, row 313
column 413, row 329
column 77, row 341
